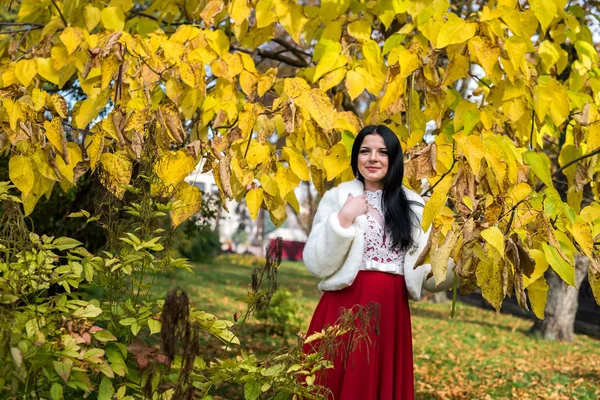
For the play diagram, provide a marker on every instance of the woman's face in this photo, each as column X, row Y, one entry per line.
column 373, row 161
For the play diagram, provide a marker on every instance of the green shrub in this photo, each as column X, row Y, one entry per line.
column 282, row 315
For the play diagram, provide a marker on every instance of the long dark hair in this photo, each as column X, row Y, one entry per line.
column 398, row 216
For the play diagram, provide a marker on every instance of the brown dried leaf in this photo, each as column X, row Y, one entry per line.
column 288, row 114
column 225, row 175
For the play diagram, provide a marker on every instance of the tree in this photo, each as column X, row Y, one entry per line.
column 492, row 108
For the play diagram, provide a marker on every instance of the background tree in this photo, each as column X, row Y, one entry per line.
column 271, row 93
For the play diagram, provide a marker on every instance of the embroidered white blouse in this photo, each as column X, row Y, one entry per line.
column 378, row 254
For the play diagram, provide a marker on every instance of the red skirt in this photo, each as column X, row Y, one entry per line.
column 381, row 369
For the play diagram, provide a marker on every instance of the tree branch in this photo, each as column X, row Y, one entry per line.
column 60, row 13
column 443, row 175
column 296, row 51
column 567, row 165
column 271, row 55
column 20, row 30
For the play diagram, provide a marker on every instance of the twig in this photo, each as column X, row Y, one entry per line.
column 271, row 55
column 443, row 175
column 532, row 127
column 60, row 13
column 567, row 165
column 479, row 80
column 294, row 50
column 20, row 30
column 20, row 24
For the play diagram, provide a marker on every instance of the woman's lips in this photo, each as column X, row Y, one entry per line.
column 372, row 169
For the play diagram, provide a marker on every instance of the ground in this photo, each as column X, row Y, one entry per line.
column 479, row 354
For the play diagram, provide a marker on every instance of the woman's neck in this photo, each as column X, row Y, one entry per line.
column 373, row 186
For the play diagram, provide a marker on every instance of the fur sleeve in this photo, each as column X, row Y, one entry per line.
column 328, row 242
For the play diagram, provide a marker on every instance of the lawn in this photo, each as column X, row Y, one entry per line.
column 477, row 355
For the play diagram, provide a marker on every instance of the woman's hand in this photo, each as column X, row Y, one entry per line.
column 353, row 207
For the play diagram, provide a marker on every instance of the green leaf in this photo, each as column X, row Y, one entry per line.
column 559, row 265
column 63, row 369
column 89, row 311
column 252, row 390
column 65, row 243
column 104, row 336
column 56, row 391
column 540, row 165
column 106, row 390
column 154, row 326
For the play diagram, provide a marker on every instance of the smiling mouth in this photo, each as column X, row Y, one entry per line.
column 372, row 168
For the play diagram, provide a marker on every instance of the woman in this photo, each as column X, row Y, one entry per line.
column 365, row 240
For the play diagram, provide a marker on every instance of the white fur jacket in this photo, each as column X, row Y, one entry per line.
column 334, row 253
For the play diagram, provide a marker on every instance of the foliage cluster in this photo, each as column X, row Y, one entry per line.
column 282, row 315
column 269, row 93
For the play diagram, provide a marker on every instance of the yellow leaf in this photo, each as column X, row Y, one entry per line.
column 332, row 79
column 458, row 69
column 257, row 154
column 41, row 185
column 42, row 162
column 595, row 285
column 173, row 166
column 211, row 10
column 489, row 279
column 541, row 265
column 264, row 13
column 254, row 199
column 545, row 11
column 474, row 150
column 360, row 30
column 95, row 149
column 559, row 265
column 71, row 38
column 440, row 258
column 188, row 200
column 355, row 84
column 487, row 54
column 39, row 98
column 332, row 9
column 20, row 172
column 538, row 294
column 291, row 17
column 244, row 175
column 46, row 70
column 294, row 87
column 56, row 135
column 113, row 18
column 92, row 17
column 455, row 31
column 89, row 109
column 25, row 71
column 297, row 163
column 115, row 173
column 330, row 61
column 436, row 202
column 266, row 81
column 248, row 81
column 494, row 237
column 582, row 233
column 239, row 11
column 109, row 67
column 520, row 192
column 286, row 181
column 269, row 185
column 67, row 165
column 593, row 136
column 375, row 66
column 336, row 161
column 319, row 107
column 516, row 48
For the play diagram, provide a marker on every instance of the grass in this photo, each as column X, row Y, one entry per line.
column 479, row 354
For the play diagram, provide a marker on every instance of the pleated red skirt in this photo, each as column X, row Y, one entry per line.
column 383, row 368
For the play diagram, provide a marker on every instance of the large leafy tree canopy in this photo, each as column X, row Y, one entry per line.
column 496, row 105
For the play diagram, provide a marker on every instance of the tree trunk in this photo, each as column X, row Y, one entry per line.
column 561, row 306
